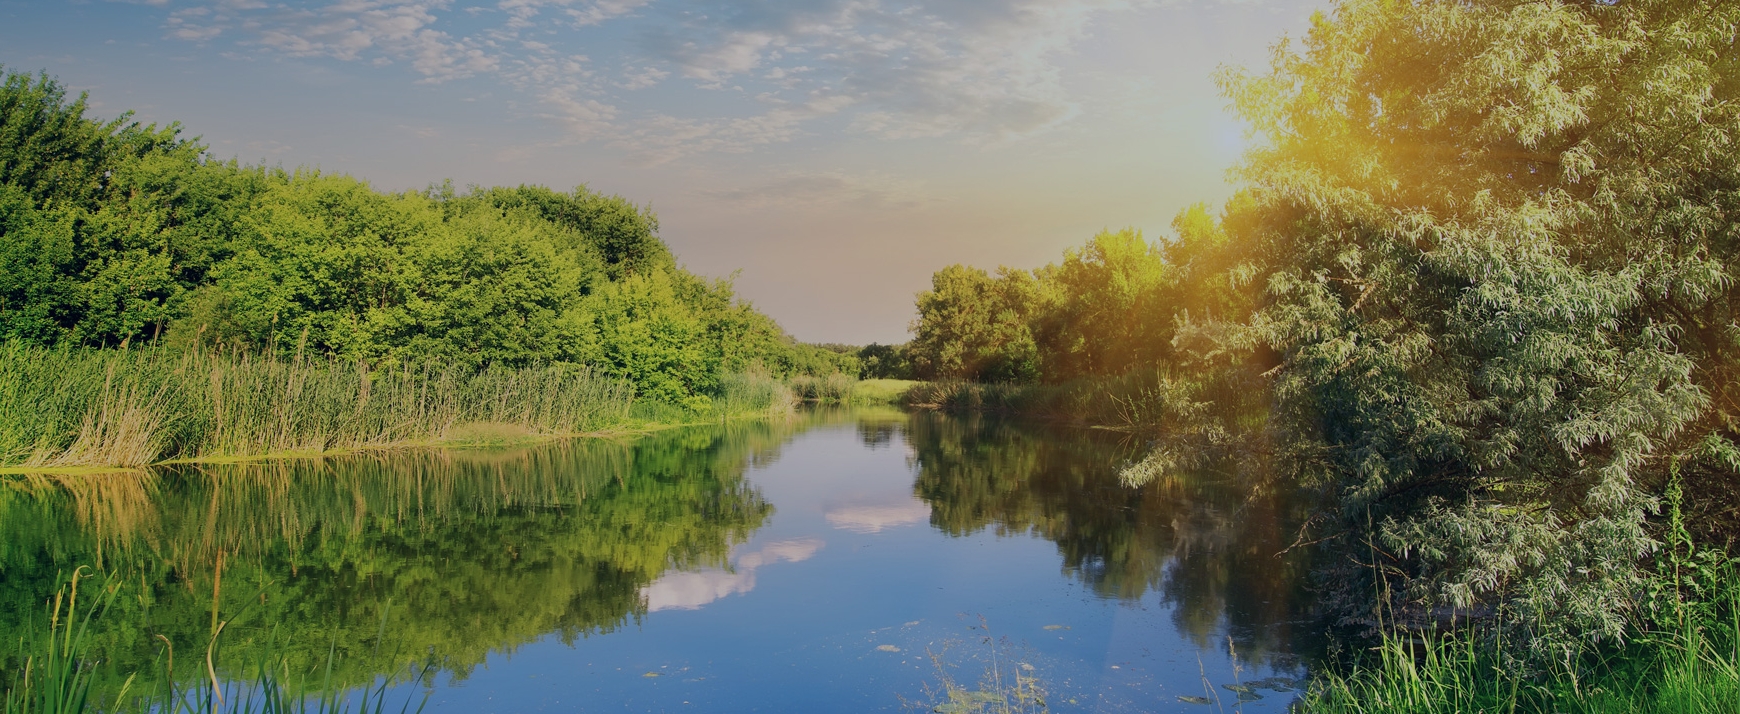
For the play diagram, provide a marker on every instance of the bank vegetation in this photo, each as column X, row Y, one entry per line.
column 1476, row 290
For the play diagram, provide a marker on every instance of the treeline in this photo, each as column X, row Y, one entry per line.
column 1110, row 306
column 115, row 233
column 1480, row 276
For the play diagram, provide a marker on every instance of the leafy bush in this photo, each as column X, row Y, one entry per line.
column 113, row 233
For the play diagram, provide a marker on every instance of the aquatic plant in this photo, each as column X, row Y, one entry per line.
column 1007, row 685
column 129, row 407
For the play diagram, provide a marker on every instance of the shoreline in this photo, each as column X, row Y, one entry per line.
column 615, row 432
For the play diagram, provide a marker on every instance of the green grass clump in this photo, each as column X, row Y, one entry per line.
column 835, row 388
column 69, row 407
column 1691, row 671
column 753, row 392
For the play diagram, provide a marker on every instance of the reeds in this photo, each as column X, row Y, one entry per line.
column 56, row 677
column 835, row 388
column 753, row 392
column 82, row 407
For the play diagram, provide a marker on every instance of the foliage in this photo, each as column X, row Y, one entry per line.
column 885, row 362
column 1496, row 267
column 1113, row 306
column 971, row 325
column 1480, row 270
column 116, row 233
column 1692, row 666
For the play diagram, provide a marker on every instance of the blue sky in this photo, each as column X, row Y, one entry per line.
column 833, row 153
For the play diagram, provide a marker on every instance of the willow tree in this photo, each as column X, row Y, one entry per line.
column 1498, row 242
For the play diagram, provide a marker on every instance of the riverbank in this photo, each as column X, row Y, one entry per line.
column 1682, row 659
column 77, row 410
column 1680, row 652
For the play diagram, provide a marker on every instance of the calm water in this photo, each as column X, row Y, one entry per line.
column 845, row 561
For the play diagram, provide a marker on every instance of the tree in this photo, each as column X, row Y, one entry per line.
column 1108, row 316
column 105, row 228
column 1496, row 241
column 973, row 326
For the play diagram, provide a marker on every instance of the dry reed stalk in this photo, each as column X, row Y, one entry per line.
column 121, row 429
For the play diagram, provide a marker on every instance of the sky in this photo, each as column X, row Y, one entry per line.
column 829, row 154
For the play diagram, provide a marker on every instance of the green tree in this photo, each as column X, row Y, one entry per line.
column 1109, row 317
column 1497, row 241
column 643, row 332
column 105, row 228
column 116, row 232
column 973, row 326
column 624, row 235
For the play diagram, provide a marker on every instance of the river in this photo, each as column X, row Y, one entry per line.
column 841, row 560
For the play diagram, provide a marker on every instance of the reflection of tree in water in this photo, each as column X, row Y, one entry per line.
column 1205, row 545
column 876, row 434
column 451, row 554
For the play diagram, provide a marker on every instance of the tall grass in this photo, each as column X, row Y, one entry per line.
column 835, row 388
column 82, row 407
column 56, row 678
column 888, row 392
column 1693, row 670
column 1684, row 657
column 753, row 392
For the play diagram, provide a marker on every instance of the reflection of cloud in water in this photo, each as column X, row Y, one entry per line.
column 872, row 518
column 689, row 591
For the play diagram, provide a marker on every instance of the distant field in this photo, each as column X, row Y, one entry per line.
column 881, row 391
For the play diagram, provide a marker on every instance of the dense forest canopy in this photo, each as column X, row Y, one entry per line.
column 1482, row 264
column 116, row 232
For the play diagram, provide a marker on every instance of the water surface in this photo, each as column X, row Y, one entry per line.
column 839, row 561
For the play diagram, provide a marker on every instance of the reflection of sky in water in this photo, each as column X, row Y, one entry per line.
column 872, row 518
column 691, row 590
column 839, row 602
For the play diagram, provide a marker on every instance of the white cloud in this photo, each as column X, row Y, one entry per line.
column 594, row 13
column 376, row 31
column 982, row 69
column 757, row 72
column 524, row 14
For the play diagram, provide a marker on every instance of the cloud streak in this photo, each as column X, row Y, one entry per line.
column 736, row 75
